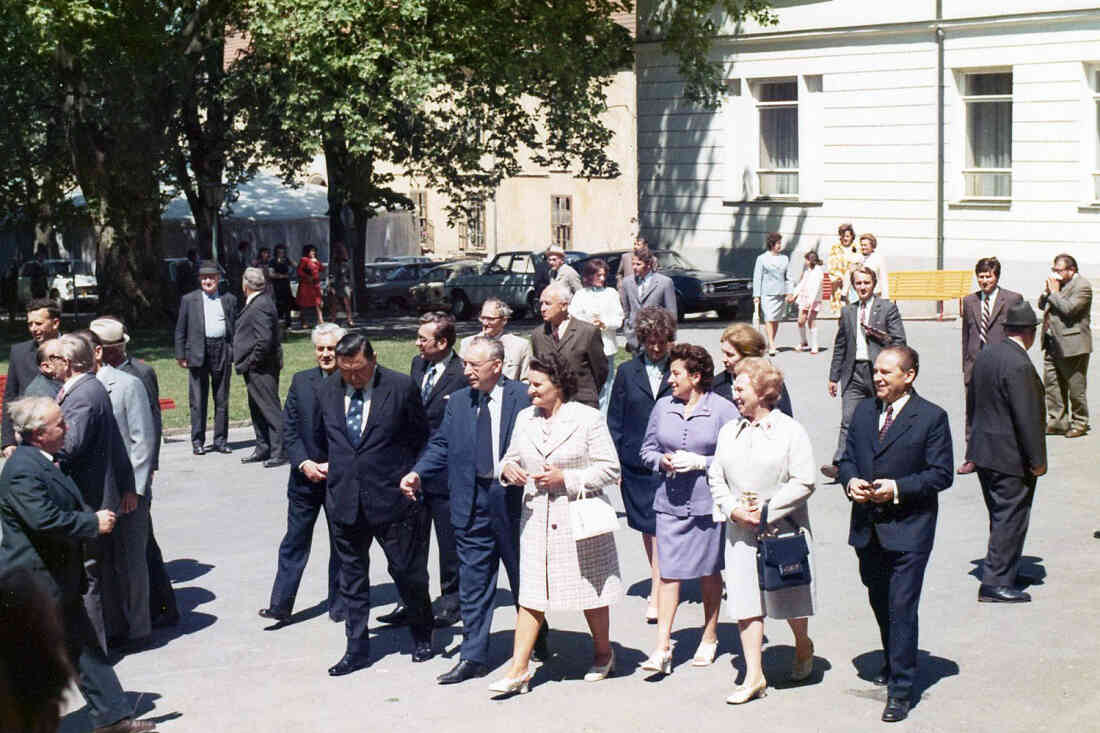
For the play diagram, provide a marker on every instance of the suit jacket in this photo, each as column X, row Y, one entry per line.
column 568, row 277
column 628, row 410
column 42, row 386
column 450, row 381
column 22, row 370
column 1066, row 329
column 884, row 316
column 148, row 377
column 134, row 416
column 661, row 292
column 191, row 326
column 256, row 343
column 303, row 428
column 517, row 355
column 368, row 471
column 723, row 385
column 1005, row 398
column 452, row 449
column 971, row 323
column 43, row 521
column 582, row 349
column 916, row 453
column 94, row 455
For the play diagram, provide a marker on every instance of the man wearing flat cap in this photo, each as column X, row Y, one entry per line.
column 1008, row 446
column 560, row 272
column 204, row 340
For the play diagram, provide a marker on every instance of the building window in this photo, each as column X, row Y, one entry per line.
column 561, row 221
column 471, row 232
column 777, row 107
column 987, row 97
column 1096, row 134
column 427, row 234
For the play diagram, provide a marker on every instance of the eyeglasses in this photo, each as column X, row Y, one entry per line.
column 488, row 319
column 56, row 357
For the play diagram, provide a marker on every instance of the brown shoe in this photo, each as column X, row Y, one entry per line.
column 1076, row 432
column 127, row 725
column 965, row 468
column 1053, row 430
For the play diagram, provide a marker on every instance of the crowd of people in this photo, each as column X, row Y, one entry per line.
column 512, row 448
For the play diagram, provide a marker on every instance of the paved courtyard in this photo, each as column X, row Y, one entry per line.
column 982, row 667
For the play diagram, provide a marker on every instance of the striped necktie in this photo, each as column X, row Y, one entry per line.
column 983, row 327
column 887, row 422
column 428, row 382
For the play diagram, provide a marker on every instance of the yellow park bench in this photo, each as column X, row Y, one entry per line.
column 931, row 285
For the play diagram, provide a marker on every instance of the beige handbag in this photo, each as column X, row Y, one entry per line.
column 591, row 516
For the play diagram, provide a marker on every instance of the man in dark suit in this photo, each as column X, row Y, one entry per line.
column 44, row 520
column 644, row 288
column 1067, row 343
column 204, row 338
column 375, row 428
column 258, row 357
column 305, row 490
column 44, row 323
column 575, row 342
column 44, row 385
column 863, row 330
column 464, row 452
column 1008, row 445
column 438, row 374
column 983, row 315
column 896, row 460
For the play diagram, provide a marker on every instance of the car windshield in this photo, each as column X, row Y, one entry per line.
column 67, row 267
column 436, row 274
column 669, row 260
column 402, row 273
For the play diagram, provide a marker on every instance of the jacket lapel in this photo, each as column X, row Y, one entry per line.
column 507, row 416
column 560, row 431
column 900, row 426
column 379, row 398
column 641, row 377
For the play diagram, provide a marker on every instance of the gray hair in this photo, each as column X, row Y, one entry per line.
column 47, row 347
column 327, row 329
column 559, row 292
column 254, row 279
column 502, row 308
column 495, row 347
column 29, row 414
column 78, row 352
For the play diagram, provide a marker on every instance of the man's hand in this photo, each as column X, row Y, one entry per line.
column 8, row 451
column 860, row 490
column 182, row 362
column 832, row 389
column 129, row 502
column 1038, row 470
column 514, row 475
column 106, row 520
column 885, row 489
column 1054, row 284
column 315, row 472
column 410, row 484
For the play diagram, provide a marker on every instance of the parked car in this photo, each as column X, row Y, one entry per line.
column 388, row 284
column 405, row 259
column 510, row 276
column 429, row 294
column 69, row 282
column 697, row 291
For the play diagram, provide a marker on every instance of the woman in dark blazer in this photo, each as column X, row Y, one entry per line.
column 742, row 341
column 639, row 383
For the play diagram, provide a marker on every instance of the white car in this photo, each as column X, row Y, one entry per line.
column 67, row 281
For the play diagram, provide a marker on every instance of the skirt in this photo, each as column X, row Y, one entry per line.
column 774, row 307
column 638, row 489
column 689, row 547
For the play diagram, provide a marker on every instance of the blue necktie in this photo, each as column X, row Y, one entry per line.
column 484, row 465
column 355, row 416
column 427, row 385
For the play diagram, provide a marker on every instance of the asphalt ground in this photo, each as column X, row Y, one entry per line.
column 1029, row 667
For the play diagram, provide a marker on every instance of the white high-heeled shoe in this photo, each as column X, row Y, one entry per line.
column 705, row 653
column 659, row 661
column 520, row 685
column 747, row 692
column 599, row 672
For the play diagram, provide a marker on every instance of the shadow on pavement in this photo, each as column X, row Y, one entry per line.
column 191, row 621
column 143, row 703
column 184, row 570
column 930, row 670
column 1029, row 572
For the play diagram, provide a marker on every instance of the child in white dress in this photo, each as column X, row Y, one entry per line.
column 808, row 296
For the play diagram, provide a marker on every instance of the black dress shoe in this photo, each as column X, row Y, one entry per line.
column 541, row 650
column 127, row 725
column 348, row 663
column 422, row 651
column 254, row 458
column 1001, row 594
column 197, row 449
column 896, row 709
column 275, row 462
column 446, row 617
column 275, row 614
column 222, row 449
column 882, row 677
column 397, row 617
column 464, row 670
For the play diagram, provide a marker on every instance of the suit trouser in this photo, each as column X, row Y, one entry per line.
column 894, row 580
column 303, row 506
column 403, row 542
column 130, row 566
column 1064, row 379
column 439, row 507
column 95, row 677
column 1008, row 499
column 858, row 388
column 162, row 599
column 96, row 554
column 267, row 416
column 490, row 538
column 214, row 373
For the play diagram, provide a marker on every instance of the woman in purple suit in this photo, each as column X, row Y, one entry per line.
column 679, row 443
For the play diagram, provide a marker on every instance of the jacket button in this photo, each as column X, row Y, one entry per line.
column 553, row 526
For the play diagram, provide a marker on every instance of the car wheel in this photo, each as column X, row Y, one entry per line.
column 533, row 306
column 460, row 306
column 681, row 314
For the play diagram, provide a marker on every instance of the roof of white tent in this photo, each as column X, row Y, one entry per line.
column 265, row 197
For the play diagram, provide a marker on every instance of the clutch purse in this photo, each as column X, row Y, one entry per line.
column 782, row 561
column 591, row 516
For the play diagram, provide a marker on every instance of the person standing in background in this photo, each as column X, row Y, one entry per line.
column 44, row 323
column 770, row 287
column 807, row 294
column 258, row 357
column 1067, row 342
column 599, row 305
column 873, row 260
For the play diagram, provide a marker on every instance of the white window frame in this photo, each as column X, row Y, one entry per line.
column 762, row 192
column 561, row 220
column 969, row 172
column 1093, row 130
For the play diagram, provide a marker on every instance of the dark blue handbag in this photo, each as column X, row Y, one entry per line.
column 782, row 561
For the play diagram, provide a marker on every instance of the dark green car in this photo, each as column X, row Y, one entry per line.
column 510, row 276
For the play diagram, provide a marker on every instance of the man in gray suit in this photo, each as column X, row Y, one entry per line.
column 865, row 328
column 983, row 315
column 1067, row 343
column 645, row 287
column 258, row 357
column 560, row 272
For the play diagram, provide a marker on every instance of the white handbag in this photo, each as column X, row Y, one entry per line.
column 591, row 516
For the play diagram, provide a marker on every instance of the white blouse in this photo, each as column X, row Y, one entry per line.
column 589, row 304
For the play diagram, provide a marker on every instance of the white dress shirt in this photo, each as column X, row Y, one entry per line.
column 496, row 397
column 862, row 354
column 436, row 369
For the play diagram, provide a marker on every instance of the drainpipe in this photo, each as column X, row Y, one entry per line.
column 939, row 144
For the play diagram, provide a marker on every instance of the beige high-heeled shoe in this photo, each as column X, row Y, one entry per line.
column 659, row 661
column 747, row 692
column 599, row 672
column 521, row 685
column 802, row 667
column 705, row 653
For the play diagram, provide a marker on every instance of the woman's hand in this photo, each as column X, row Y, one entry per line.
column 745, row 518
column 550, row 478
column 666, row 463
column 514, row 475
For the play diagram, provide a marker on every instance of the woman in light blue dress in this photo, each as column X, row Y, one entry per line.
column 770, row 287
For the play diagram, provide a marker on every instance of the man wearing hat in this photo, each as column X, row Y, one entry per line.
column 204, row 338
column 561, row 272
column 1008, row 446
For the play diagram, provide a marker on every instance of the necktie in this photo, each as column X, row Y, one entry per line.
column 484, row 461
column 863, row 314
column 983, row 327
column 428, row 385
column 887, row 422
column 60, row 395
column 355, row 416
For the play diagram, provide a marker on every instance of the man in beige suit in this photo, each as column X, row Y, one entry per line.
column 517, row 350
column 1067, row 343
